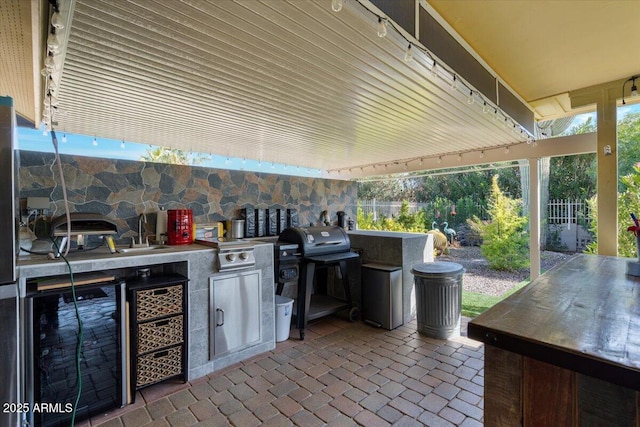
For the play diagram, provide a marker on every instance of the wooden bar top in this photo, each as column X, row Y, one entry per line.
column 582, row 315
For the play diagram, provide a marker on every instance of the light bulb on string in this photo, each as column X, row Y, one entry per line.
column 95, row 142
column 408, row 54
column 56, row 21
column 336, row 5
column 52, row 43
column 434, row 70
column 51, row 85
column 454, row 83
column 482, row 154
column 122, row 144
column 382, row 27
column 49, row 64
column 470, row 100
column 64, row 138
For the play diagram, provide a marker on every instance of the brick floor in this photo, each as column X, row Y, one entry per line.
column 342, row 374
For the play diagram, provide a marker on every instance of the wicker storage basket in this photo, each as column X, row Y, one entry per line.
column 159, row 302
column 160, row 333
column 154, row 367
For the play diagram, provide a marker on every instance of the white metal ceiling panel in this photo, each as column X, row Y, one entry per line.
column 273, row 80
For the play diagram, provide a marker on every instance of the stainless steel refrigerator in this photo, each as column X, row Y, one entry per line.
column 9, row 370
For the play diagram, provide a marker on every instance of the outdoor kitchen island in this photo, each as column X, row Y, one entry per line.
column 565, row 350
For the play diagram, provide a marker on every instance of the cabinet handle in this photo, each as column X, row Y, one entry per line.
column 161, row 354
column 162, row 323
column 161, row 291
column 219, row 310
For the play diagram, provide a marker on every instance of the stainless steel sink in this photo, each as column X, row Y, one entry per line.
column 137, row 249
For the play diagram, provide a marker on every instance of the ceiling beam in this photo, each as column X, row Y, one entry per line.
column 551, row 147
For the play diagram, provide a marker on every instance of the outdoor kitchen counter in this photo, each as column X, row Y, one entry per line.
column 197, row 262
column 565, row 350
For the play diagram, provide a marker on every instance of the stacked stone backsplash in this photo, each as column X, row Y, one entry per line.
column 122, row 189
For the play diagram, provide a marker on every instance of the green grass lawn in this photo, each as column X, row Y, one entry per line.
column 474, row 303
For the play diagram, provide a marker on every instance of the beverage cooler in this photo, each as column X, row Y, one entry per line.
column 52, row 329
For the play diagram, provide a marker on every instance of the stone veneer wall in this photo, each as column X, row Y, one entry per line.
column 122, row 189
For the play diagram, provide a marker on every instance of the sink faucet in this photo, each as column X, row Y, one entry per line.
column 142, row 220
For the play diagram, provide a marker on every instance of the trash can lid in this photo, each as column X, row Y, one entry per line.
column 280, row 300
column 436, row 269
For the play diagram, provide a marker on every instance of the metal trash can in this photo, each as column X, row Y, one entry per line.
column 438, row 288
column 382, row 295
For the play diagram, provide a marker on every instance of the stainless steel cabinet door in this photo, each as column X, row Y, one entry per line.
column 234, row 311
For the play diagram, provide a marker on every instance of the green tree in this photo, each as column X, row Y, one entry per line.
column 504, row 238
column 574, row 177
column 173, row 156
column 628, row 145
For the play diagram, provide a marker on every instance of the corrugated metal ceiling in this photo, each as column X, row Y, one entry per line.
column 278, row 81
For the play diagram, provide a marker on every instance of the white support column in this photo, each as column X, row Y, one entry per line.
column 607, row 157
column 534, row 217
column 605, row 97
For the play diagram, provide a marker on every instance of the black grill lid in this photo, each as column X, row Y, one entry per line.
column 317, row 240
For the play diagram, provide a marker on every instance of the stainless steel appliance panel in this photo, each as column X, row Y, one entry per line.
column 382, row 295
column 9, row 354
column 234, row 310
column 8, row 191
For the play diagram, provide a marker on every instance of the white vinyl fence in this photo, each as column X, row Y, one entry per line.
column 569, row 222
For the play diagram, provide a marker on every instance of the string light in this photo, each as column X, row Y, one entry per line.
column 408, row 55
column 382, row 27
column 95, row 142
column 122, row 144
column 336, row 5
column 64, row 138
column 456, row 82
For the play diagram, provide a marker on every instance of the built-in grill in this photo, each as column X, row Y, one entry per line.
column 232, row 255
column 319, row 248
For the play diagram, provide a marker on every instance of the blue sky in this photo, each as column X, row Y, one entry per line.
column 74, row 144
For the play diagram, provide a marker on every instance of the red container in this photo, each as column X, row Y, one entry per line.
column 179, row 226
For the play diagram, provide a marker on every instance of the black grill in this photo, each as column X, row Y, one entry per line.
column 319, row 248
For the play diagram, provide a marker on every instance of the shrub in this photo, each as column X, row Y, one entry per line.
column 504, row 238
column 628, row 203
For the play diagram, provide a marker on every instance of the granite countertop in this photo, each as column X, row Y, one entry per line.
column 104, row 254
column 582, row 315
column 381, row 233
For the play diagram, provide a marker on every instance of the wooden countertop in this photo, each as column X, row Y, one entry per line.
column 582, row 315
